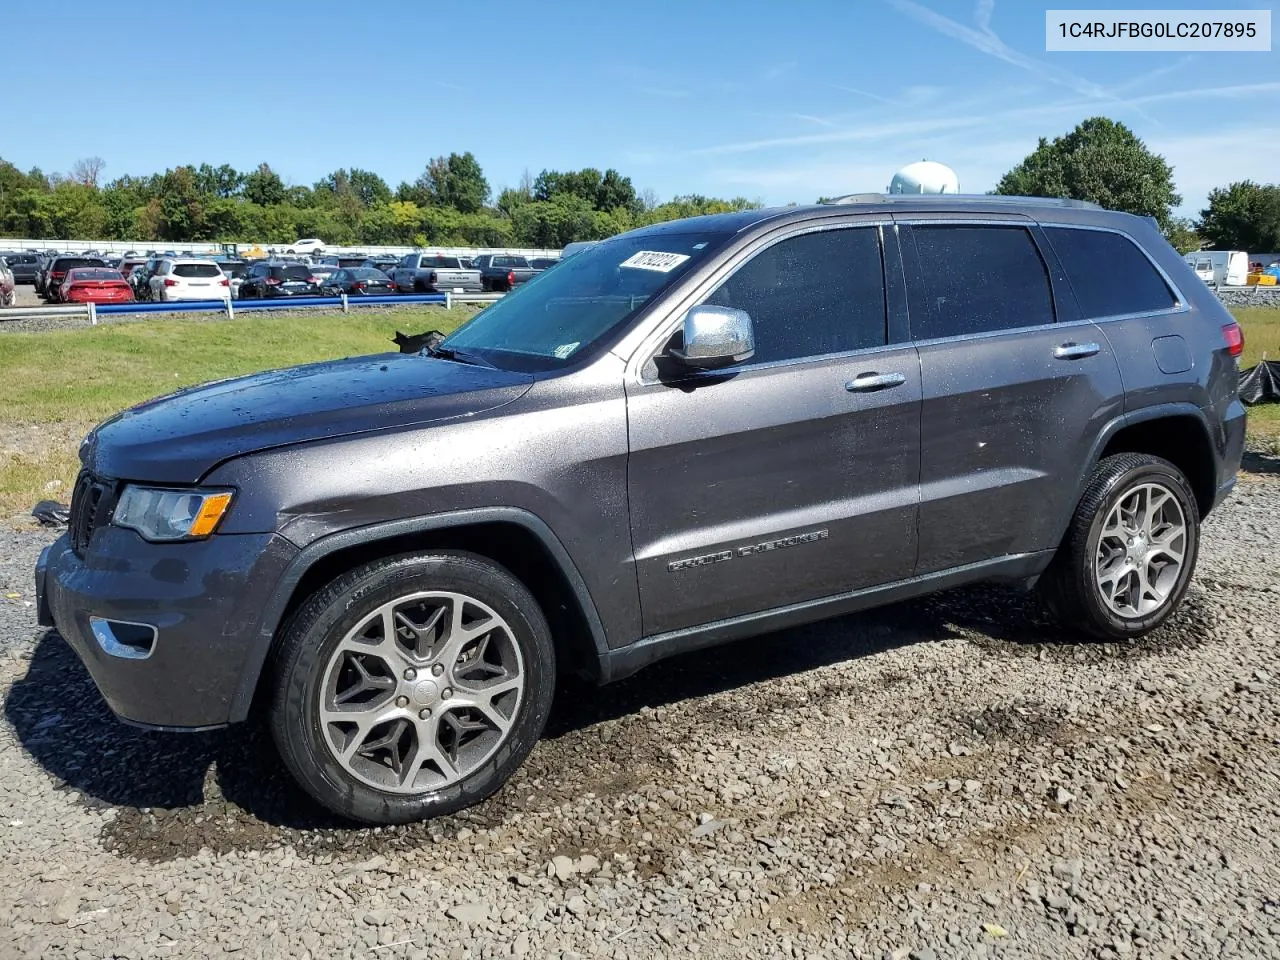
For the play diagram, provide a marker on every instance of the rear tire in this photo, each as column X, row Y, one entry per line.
column 412, row 687
column 1128, row 555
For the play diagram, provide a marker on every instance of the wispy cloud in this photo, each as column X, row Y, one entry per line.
column 1142, row 79
column 865, row 93
column 985, row 40
column 778, row 70
column 863, row 132
column 452, row 86
column 809, row 118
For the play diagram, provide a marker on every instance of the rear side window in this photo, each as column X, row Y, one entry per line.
column 812, row 295
column 205, row 270
column 1109, row 274
column 977, row 279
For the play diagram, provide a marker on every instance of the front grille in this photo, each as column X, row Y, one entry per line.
column 90, row 507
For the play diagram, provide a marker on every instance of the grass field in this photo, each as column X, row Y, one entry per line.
column 55, row 386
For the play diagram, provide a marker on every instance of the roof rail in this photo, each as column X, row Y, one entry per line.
column 960, row 197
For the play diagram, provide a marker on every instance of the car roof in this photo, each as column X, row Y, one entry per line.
column 1037, row 208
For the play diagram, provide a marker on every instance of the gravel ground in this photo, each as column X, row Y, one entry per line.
column 952, row 778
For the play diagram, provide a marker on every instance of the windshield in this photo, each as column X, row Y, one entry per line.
column 551, row 319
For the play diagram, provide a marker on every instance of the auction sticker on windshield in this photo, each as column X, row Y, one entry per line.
column 654, row 260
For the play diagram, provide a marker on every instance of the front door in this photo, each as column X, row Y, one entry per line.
column 793, row 475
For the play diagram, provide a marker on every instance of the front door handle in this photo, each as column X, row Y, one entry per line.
column 1075, row 351
column 867, row 382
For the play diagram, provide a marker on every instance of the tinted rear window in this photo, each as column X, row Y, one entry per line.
column 1109, row 274
column 70, row 263
column 205, row 270
column 96, row 273
column 977, row 280
column 367, row 273
column 294, row 271
column 447, row 263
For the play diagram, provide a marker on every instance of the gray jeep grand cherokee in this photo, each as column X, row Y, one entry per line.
column 685, row 434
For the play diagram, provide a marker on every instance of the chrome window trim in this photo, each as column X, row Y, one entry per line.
column 665, row 328
column 1180, row 304
column 1007, row 331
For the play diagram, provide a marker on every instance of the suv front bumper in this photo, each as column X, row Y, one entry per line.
column 194, row 609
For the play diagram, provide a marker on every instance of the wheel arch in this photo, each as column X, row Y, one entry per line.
column 514, row 538
column 1178, row 433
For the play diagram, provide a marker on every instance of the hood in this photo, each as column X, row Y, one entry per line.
column 181, row 437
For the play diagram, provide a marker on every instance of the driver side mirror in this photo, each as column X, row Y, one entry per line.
column 715, row 337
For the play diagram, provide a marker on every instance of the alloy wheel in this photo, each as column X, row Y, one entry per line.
column 421, row 692
column 1141, row 551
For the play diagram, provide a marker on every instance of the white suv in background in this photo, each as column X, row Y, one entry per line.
column 189, row 279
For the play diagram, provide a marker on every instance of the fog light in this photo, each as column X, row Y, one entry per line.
column 119, row 638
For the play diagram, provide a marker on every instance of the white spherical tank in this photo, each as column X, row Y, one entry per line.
column 925, row 177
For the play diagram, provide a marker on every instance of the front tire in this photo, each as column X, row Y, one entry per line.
column 412, row 687
column 1128, row 556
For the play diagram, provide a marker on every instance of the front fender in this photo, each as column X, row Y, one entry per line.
column 274, row 609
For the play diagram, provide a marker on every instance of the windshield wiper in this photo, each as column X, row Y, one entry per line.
column 458, row 356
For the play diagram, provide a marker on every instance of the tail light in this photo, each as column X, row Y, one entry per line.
column 170, row 282
column 273, row 281
column 1234, row 336
column 224, row 282
column 358, row 285
column 432, row 278
column 313, row 279
column 511, row 278
column 391, row 285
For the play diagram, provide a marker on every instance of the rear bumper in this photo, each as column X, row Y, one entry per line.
column 1234, row 425
column 198, row 603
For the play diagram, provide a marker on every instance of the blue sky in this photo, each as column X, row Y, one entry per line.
column 773, row 101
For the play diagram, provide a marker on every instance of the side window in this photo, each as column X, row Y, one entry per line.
column 1110, row 276
column 812, row 295
column 977, row 279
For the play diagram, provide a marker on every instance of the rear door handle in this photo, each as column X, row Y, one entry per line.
column 1075, row 351
column 867, row 382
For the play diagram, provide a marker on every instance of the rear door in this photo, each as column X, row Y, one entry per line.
column 1015, row 389
column 793, row 475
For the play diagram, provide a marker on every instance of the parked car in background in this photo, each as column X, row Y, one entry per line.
column 23, row 265
column 8, row 287
column 57, row 272
column 542, row 263
column 576, row 247
column 435, row 273
column 189, row 279
column 95, row 285
column 502, row 271
column 320, row 272
column 136, row 281
column 345, row 260
column 383, row 261
column 275, row 279
column 306, row 246
column 141, row 280
column 358, row 282
column 126, row 265
column 234, row 271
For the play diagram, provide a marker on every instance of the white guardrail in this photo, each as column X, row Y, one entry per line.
column 344, row 303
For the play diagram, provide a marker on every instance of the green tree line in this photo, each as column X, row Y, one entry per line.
column 1105, row 162
column 450, row 203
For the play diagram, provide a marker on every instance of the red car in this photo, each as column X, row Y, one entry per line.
column 95, row 285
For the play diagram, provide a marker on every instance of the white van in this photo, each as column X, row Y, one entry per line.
column 1220, row 268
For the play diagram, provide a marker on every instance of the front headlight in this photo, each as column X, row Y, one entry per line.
column 171, row 514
